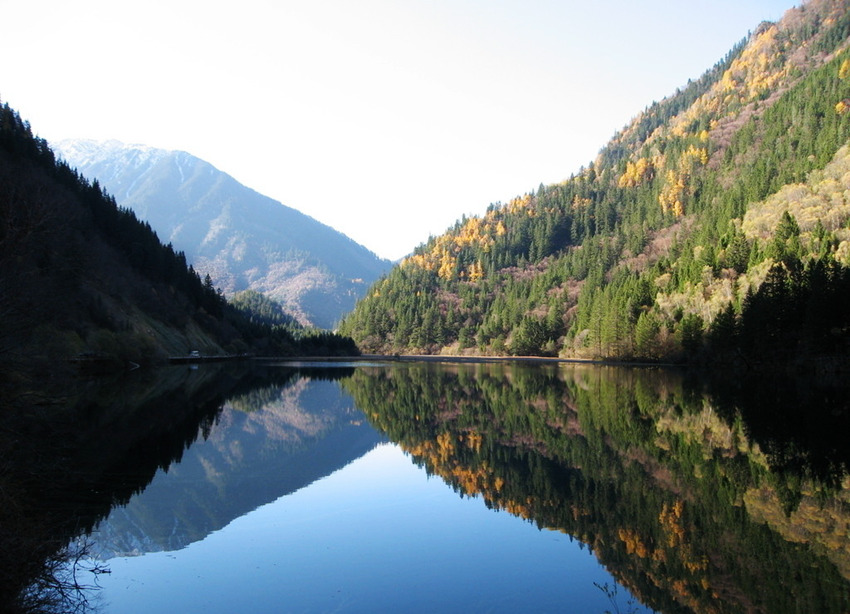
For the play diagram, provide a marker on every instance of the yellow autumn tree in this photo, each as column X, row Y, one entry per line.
column 672, row 194
column 476, row 271
column 636, row 173
column 844, row 70
column 580, row 203
column 447, row 264
column 676, row 189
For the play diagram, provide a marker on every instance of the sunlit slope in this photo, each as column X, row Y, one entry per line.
column 657, row 248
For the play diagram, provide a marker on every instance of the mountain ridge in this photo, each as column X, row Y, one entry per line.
column 585, row 268
column 241, row 238
column 85, row 285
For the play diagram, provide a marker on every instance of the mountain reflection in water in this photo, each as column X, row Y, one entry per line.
column 264, row 444
column 697, row 497
column 658, row 475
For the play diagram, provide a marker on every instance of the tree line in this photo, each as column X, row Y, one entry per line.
column 645, row 252
column 81, row 275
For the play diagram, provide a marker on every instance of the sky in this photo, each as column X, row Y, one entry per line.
column 385, row 119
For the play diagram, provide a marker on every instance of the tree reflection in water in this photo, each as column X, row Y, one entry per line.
column 72, row 451
column 697, row 497
column 690, row 505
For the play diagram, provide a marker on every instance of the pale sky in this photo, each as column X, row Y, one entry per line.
column 387, row 120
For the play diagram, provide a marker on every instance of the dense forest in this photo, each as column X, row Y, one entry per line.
column 82, row 278
column 714, row 226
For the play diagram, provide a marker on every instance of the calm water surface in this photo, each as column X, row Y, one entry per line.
column 350, row 523
column 377, row 535
column 422, row 487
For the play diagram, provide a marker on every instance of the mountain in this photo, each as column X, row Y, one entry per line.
column 242, row 239
column 84, row 279
column 713, row 227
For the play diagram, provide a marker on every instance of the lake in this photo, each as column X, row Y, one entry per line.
column 440, row 487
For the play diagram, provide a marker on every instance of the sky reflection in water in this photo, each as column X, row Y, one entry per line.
column 699, row 496
column 378, row 535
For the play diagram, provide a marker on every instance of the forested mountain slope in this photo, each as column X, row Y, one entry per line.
column 81, row 277
column 713, row 224
column 242, row 239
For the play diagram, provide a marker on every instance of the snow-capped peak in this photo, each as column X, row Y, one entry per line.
column 84, row 152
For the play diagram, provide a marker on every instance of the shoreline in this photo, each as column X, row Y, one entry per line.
column 457, row 359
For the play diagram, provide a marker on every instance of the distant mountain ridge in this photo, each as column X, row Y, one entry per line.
column 242, row 239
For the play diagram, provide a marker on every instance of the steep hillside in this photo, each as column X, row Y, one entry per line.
column 242, row 239
column 81, row 277
column 660, row 247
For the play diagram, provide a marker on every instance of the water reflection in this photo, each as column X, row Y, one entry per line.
column 660, row 477
column 267, row 442
column 697, row 495
column 71, row 454
column 67, row 457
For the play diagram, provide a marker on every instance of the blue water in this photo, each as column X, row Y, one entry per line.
column 378, row 535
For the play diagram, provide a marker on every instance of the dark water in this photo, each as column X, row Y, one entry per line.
column 438, row 488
